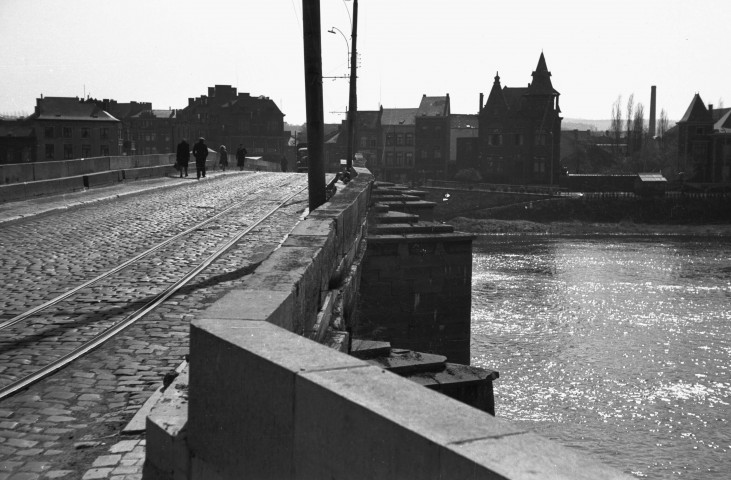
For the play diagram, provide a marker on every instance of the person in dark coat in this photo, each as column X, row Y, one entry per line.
column 200, row 152
column 223, row 157
column 241, row 156
column 182, row 157
column 283, row 163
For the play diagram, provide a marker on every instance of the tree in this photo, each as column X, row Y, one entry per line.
column 616, row 125
column 630, row 109
column 662, row 124
column 639, row 153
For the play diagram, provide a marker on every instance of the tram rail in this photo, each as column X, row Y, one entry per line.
column 44, row 371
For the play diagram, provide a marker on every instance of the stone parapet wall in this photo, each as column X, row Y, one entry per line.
column 30, row 172
column 267, row 402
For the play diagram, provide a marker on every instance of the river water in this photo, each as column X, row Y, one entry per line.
column 617, row 346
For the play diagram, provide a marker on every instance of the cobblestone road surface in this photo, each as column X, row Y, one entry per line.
column 68, row 425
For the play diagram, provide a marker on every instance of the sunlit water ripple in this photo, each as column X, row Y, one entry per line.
column 619, row 347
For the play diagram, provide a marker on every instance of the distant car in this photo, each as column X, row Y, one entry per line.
column 302, row 158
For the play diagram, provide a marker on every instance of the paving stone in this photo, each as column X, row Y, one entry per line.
column 97, row 473
column 17, row 442
column 124, row 446
column 59, row 474
column 29, row 452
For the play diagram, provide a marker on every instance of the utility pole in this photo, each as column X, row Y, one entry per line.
column 313, row 100
column 353, row 101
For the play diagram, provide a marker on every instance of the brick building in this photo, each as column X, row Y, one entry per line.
column 67, row 128
column 398, row 136
column 153, row 131
column 225, row 117
column 704, row 143
column 17, row 141
column 433, row 127
column 520, row 132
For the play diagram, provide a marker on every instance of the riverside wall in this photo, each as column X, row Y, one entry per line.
column 273, row 395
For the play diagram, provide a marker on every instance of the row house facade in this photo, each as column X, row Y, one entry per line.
column 432, row 134
column 153, row 131
column 225, row 117
column 398, row 137
column 519, row 139
column 17, row 141
column 704, row 143
column 68, row 128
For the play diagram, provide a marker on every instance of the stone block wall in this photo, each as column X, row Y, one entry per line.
column 416, row 293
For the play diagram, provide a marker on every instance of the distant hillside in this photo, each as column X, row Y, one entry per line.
column 583, row 124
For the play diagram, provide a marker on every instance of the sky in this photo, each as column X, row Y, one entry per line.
column 165, row 51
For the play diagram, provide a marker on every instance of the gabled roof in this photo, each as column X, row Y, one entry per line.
column 464, row 121
column 69, row 108
column 513, row 96
column 163, row 114
column 399, row 116
column 368, row 118
column 717, row 113
column 697, row 112
column 723, row 124
column 652, row 178
column 433, row 106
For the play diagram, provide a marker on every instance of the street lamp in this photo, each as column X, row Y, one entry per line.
column 347, row 44
column 353, row 99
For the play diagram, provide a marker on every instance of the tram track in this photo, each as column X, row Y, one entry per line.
column 90, row 304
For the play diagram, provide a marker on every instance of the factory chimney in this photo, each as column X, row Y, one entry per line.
column 652, row 111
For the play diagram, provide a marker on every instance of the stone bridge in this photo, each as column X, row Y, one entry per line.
column 345, row 354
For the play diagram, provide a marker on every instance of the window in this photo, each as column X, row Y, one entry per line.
column 85, row 151
column 519, row 139
column 409, row 139
column 373, row 143
column 104, row 150
column 400, row 139
column 399, row 159
column 67, row 132
column 363, row 142
column 85, row 132
column 389, row 159
column 49, row 151
column 423, row 154
column 437, row 152
column 48, row 132
column 104, row 133
column 495, row 139
column 68, row 151
column 699, row 131
column 539, row 165
column 540, row 138
column 409, row 159
column 389, row 139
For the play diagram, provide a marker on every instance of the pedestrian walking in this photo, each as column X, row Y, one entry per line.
column 182, row 157
column 200, row 152
column 241, row 156
column 223, row 157
column 283, row 163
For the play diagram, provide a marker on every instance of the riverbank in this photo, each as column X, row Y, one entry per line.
column 526, row 227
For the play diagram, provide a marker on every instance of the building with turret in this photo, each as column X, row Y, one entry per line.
column 704, row 143
column 519, row 140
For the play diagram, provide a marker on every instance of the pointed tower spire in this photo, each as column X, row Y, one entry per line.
column 496, row 100
column 541, row 84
